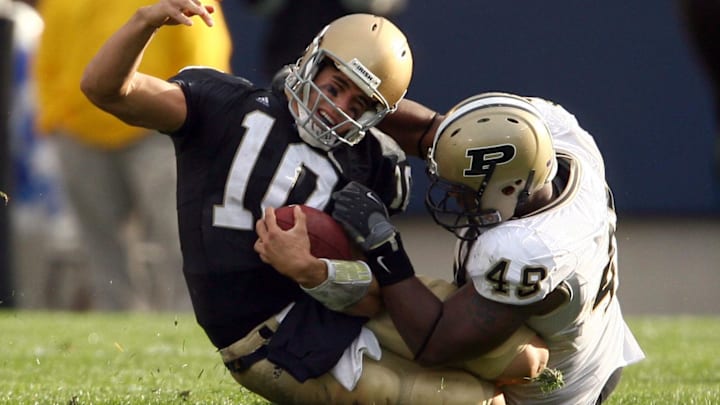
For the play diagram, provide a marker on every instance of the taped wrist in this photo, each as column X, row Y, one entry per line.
column 389, row 262
column 347, row 282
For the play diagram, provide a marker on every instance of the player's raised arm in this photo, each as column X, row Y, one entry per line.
column 412, row 126
column 111, row 80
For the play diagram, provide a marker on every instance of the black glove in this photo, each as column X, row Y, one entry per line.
column 365, row 218
column 363, row 215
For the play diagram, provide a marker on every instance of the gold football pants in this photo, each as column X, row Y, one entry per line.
column 394, row 379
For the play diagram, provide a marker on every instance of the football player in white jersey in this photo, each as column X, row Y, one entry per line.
column 522, row 186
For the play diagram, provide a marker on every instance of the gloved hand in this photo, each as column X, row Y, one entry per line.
column 365, row 218
column 363, row 215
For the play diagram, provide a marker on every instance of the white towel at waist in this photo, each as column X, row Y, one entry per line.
column 348, row 369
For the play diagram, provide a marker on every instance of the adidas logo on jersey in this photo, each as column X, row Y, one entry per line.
column 263, row 100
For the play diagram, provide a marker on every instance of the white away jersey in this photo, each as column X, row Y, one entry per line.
column 570, row 243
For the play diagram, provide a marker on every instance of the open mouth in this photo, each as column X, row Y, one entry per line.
column 325, row 118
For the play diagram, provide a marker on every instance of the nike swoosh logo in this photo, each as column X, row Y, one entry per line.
column 371, row 196
column 380, row 260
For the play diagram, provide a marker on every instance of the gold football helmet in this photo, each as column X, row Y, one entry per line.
column 373, row 53
column 490, row 153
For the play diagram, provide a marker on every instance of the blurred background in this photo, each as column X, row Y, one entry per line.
column 627, row 70
column 624, row 68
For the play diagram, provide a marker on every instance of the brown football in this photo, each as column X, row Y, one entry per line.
column 327, row 237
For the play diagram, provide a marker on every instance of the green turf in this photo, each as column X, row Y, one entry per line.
column 682, row 364
column 92, row 358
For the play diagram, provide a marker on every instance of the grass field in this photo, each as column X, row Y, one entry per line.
column 92, row 358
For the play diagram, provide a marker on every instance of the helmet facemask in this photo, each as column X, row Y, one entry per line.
column 458, row 207
column 304, row 99
column 369, row 51
column 455, row 207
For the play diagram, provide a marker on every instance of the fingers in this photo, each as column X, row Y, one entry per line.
column 181, row 12
column 259, row 245
column 300, row 220
column 274, row 244
column 201, row 10
column 271, row 220
column 263, row 233
column 261, row 227
column 355, row 188
column 206, row 17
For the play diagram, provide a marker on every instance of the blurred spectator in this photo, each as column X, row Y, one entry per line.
column 702, row 21
column 42, row 224
column 120, row 180
column 292, row 24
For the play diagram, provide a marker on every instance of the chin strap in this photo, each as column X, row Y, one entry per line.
column 525, row 193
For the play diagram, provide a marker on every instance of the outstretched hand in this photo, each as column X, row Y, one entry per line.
column 174, row 12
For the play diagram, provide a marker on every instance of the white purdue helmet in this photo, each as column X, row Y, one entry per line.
column 489, row 154
column 368, row 49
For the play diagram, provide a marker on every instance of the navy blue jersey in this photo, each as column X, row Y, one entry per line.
column 237, row 153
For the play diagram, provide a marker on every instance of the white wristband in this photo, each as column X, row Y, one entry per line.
column 347, row 282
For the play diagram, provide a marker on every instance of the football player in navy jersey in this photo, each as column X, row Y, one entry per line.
column 241, row 149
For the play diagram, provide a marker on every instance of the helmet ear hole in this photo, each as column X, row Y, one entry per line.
column 508, row 190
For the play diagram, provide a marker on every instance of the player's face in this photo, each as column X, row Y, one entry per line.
column 342, row 92
column 465, row 198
